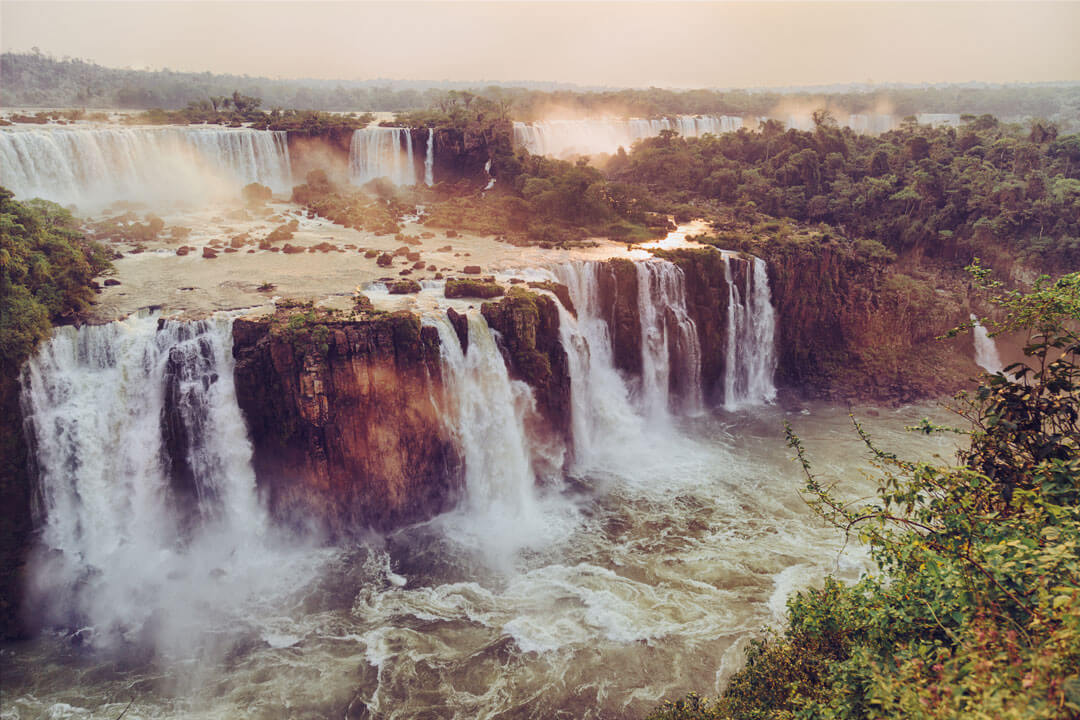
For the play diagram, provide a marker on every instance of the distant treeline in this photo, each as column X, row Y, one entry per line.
column 38, row 80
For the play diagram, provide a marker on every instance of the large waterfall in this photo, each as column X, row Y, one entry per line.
column 173, row 165
column 751, row 327
column 604, row 135
column 376, row 152
column 146, row 489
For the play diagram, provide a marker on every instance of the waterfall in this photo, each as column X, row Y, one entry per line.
column 376, row 152
column 486, row 411
column 750, row 359
column 429, row 159
column 986, row 352
column 606, row 135
column 130, row 541
column 97, row 166
column 602, row 414
column 669, row 341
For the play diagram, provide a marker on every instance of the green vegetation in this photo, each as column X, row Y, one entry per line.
column 47, row 268
column 378, row 212
column 975, row 608
column 36, row 79
column 987, row 189
column 468, row 288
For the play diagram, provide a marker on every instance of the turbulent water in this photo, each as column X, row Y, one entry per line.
column 387, row 152
column 634, row 575
column 175, row 165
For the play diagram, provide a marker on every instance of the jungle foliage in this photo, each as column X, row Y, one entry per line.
column 986, row 189
column 974, row 608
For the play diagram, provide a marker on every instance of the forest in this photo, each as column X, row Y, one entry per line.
column 40, row 80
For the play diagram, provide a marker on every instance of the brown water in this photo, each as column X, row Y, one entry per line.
column 642, row 581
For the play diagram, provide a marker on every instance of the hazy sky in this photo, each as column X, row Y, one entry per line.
column 698, row 44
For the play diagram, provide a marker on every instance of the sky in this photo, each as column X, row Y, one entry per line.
column 618, row 44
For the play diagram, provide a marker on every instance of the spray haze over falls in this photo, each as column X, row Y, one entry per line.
column 651, row 536
column 94, row 165
column 140, row 444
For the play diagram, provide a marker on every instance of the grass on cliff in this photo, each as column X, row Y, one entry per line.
column 974, row 608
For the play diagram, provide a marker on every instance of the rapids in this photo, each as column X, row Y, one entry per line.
column 634, row 574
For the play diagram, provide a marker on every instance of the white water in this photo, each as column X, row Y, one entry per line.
column 633, row 580
column 603, row 417
column 376, row 152
column 487, row 412
column 986, row 352
column 125, row 555
column 429, row 159
column 561, row 138
column 669, row 342
column 751, row 328
column 173, row 165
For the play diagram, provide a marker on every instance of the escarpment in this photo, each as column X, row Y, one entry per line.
column 528, row 327
column 344, row 422
column 619, row 297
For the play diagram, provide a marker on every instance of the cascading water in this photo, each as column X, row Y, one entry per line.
column 97, row 166
column 486, row 411
column 429, row 159
column 132, row 548
column 602, row 414
column 751, row 328
column 596, row 135
column 670, row 349
column 986, row 352
column 376, row 152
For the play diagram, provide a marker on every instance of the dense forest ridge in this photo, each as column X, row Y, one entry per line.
column 36, row 80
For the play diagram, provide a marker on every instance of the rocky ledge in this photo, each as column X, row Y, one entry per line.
column 346, row 434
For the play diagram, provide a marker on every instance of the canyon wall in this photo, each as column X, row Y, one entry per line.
column 345, row 422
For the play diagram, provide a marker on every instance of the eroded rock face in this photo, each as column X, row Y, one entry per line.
column 619, row 293
column 346, row 433
column 707, row 297
column 528, row 327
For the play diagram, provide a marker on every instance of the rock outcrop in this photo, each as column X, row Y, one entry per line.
column 528, row 327
column 619, row 294
column 346, row 432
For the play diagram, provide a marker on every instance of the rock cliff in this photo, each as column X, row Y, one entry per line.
column 343, row 418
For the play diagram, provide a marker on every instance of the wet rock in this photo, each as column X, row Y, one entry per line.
column 467, row 288
column 209, row 253
column 385, row 260
column 472, row 270
column 290, row 249
column 404, row 287
column 460, row 322
column 528, row 327
column 111, row 282
column 346, row 434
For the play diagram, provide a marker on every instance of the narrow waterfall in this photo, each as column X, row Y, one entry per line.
column 429, row 159
column 97, row 166
column 670, row 349
column 986, row 352
column 376, row 152
column 606, row 135
column 486, row 411
column 751, row 327
column 602, row 414
column 112, row 411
